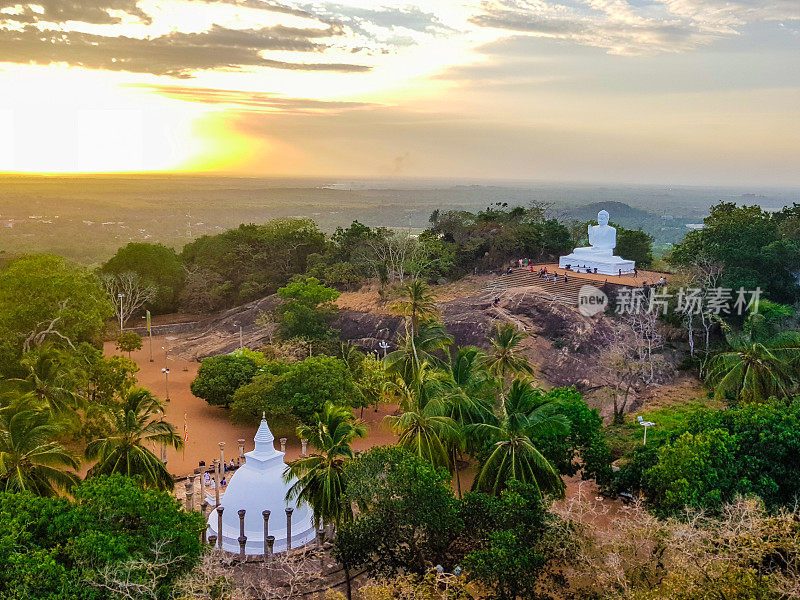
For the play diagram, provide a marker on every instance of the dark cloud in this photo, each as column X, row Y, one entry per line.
column 176, row 54
column 86, row 11
column 254, row 101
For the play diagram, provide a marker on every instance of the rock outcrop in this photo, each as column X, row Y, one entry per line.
column 563, row 344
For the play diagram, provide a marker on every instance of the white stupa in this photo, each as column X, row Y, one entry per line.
column 257, row 486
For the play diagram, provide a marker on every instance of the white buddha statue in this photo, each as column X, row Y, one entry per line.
column 602, row 238
column 598, row 257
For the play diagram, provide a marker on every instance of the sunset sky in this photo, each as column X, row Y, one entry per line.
column 642, row 91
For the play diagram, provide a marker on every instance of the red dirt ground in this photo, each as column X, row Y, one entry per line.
column 209, row 425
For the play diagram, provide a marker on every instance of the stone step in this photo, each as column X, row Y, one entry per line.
column 560, row 290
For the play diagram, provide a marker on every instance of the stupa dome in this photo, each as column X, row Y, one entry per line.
column 257, row 486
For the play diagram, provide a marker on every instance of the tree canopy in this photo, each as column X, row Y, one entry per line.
column 298, row 389
column 254, row 260
column 754, row 247
column 219, row 377
column 46, row 298
column 111, row 536
column 156, row 265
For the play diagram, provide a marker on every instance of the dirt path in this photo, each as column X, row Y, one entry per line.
column 209, row 425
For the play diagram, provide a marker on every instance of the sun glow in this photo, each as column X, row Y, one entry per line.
column 77, row 121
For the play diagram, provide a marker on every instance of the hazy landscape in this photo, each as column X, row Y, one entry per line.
column 400, row 300
column 88, row 218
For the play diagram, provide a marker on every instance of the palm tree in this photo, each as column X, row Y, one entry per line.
column 431, row 338
column 469, row 399
column 424, row 428
column 504, row 357
column 757, row 366
column 320, row 476
column 30, row 458
column 132, row 424
column 419, row 305
column 50, row 380
column 514, row 456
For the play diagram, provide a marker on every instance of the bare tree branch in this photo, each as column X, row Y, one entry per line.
column 128, row 293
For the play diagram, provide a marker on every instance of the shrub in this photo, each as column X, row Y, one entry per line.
column 299, row 389
column 220, row 376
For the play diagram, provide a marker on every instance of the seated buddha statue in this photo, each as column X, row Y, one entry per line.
column 602, row 239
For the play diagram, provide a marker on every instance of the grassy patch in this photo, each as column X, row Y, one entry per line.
column 624, row 438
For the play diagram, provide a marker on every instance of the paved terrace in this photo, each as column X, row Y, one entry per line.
column 568, row 291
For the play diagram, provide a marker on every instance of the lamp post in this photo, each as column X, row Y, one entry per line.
column 646, row 425
column 165, row 371
column 149, row 333
column 120, row 296
column 241, row 335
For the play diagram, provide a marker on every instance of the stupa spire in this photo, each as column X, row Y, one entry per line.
column 264, row 439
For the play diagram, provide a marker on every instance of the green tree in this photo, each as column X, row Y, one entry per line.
column 219, row 377
column 756, row 367
column 156, row 265
column 407, row 515
column 418, row 305
column 518, row 544
column 298, row 389
column 636, row 245
column 428, row 345
column 369, row 377
column 512, row 454
column 491, row 238
column 52, row 379
column 504, row 356
column 30, row 457
column 109, row 540
column 102, row 379
column 307, row 310
column 129, row 341
column 47, row 299
column 767, row 442
column 470, row 396
column 253, row 261
column 430, row 257
column 424, row 426
column 130, row 427
column 694, row 471
column 320, row 477
column 747, row 241
column 582, row 446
